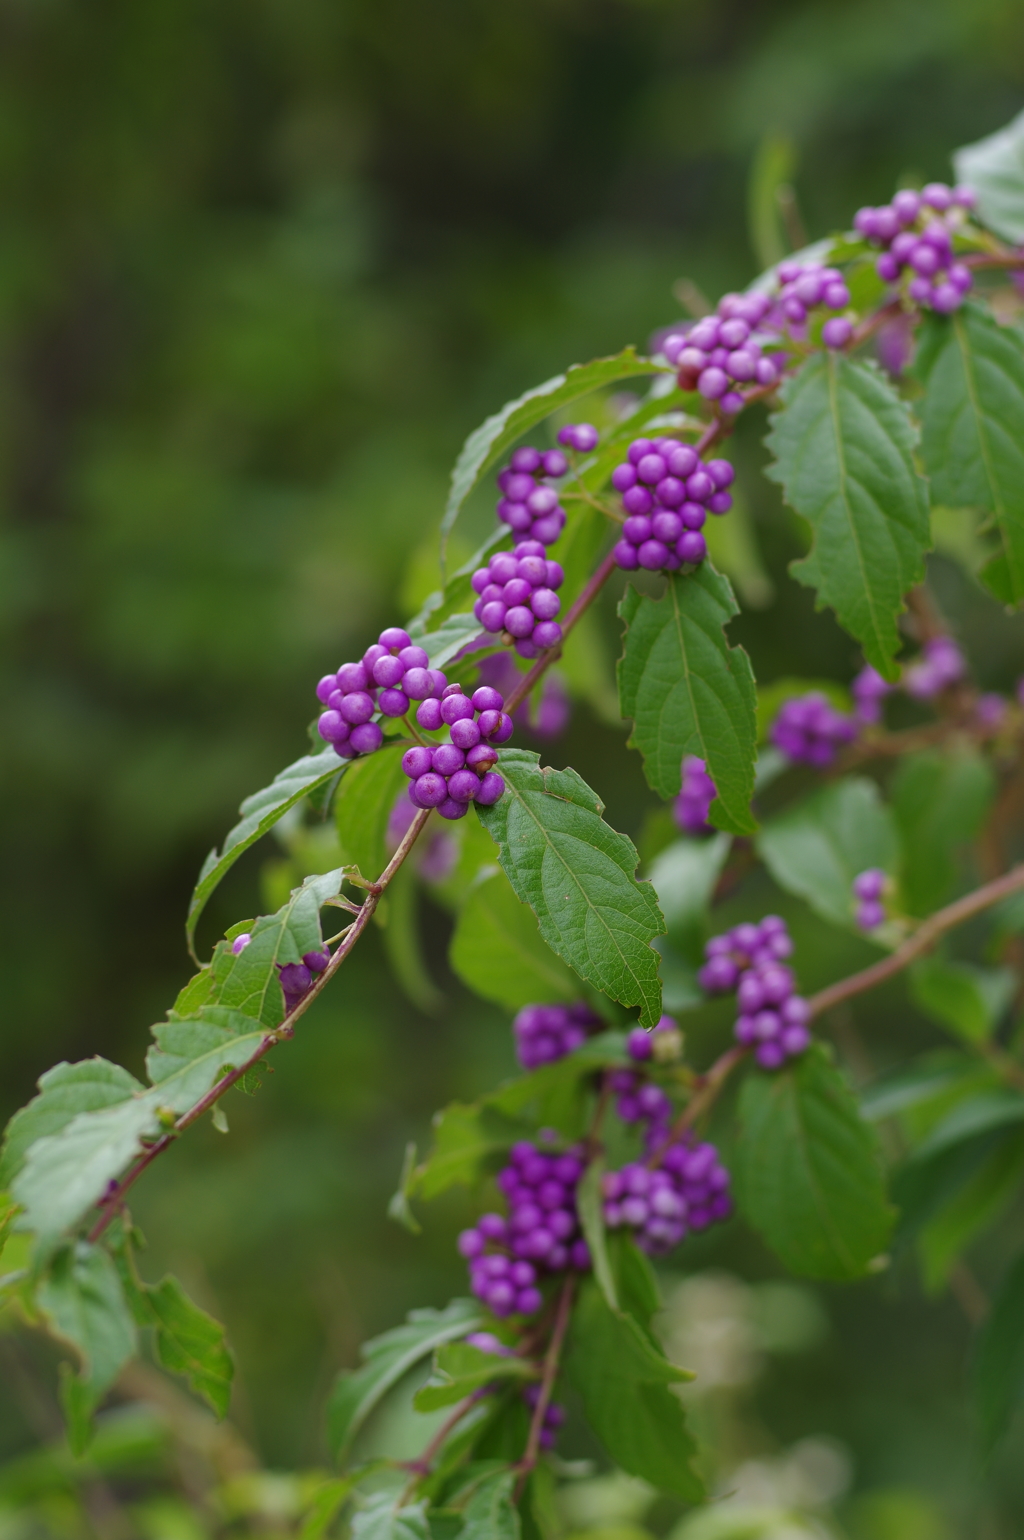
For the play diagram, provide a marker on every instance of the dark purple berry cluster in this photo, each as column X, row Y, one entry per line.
column 868, row 887
column 449, row 776
column 690, row 809
column 529, row 504
column 517, row 598
column 916, row 232
column 391, row 675
column 667, row 493
column 808, row 729
column 296, row 978
column 508, row 1257
column 545, row 1033
column 750, row 960
column 686, row 1192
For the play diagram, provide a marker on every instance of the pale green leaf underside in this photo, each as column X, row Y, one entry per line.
column 498, row 433
column 577, row 875
column 259, row 814
column 816, row 847
column 388, row 1357
column 843, row 446
column 688, row 692
column 972, row 429
column 994, row 167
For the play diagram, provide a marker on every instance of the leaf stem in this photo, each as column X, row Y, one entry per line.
column 112, row 1201
column 707, row 1088
column 552, row 1362
column 421, row 1467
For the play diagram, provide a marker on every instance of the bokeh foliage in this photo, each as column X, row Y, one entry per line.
column 261, row 269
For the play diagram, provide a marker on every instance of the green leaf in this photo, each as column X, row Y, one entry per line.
column 357, row 1391
column 65, row 1173
column 684, row 876
column 815, row 847
column 976, row 1204
column 969, row 1000
column 577, row 875
column 191, row 1343
column 636, row 1285
column 491, row 1513
column 64, row 1092
column 459, row 1369
column 844, row 451
column 972, row 429
column 971, row 1117
column 994, row 167
column 910, row 1088
column 808, row 1170
column 590, row 1205
column 623, row 1381
column 383, row 1519
column 465, row 1138
column 999, row 1362
column 83, row 1302
column 326, row 1503
column 362, row 807
column 689, row 692
column 188, row 1341
column 249, row 982
column 260, row 812
column 498, row 951
column 498, row 433
column 940, row 801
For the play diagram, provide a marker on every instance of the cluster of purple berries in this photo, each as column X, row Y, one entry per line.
column 807, row 286
column 296, row 978
column 688, row 1191
column 690, row 809
column 916, row 233
column 720, row 352
column 750, row 959
column 449, row 776
column 940, row 665
column 541, row 1235
column 667, row 493
column 581, row 436
column 389, row 676
column 517, row 598
column 868, row 887
column 545, row 1033
column 529, row 504
column 810, row 730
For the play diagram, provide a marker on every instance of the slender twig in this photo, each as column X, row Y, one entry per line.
column 923, row 939
column 706, row 1090
column 552, row 1361
column 421, row 1467
column 110, row 1204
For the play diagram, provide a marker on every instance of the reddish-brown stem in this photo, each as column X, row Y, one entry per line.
column 706, row 1090
column 552, row 1360
column 421, row 1467
column 110, row 1204
column 923, row 939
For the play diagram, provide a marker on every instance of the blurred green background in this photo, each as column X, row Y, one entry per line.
column 262, row 267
